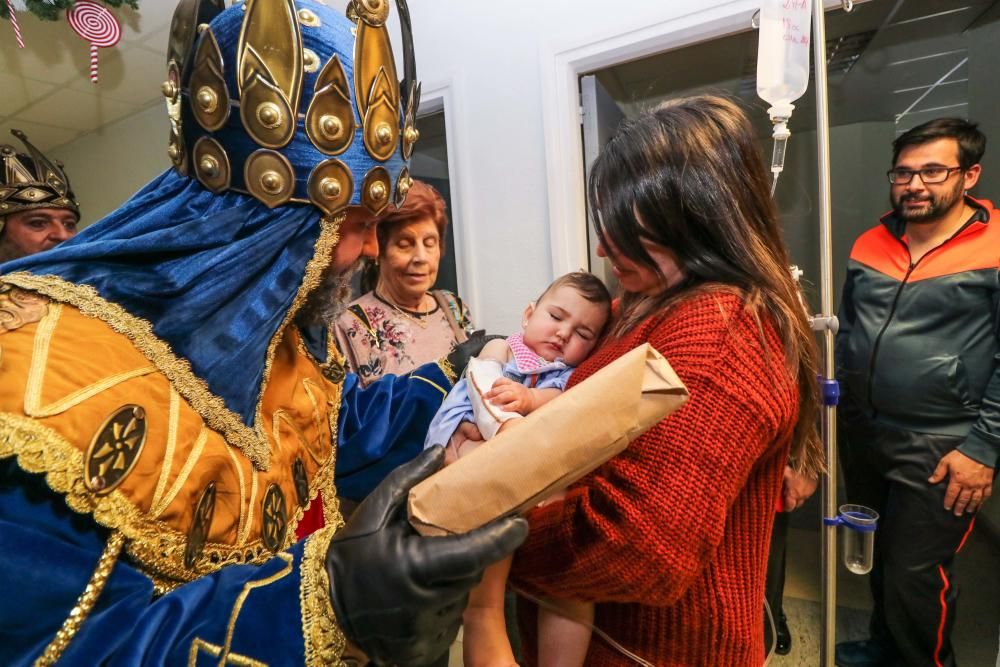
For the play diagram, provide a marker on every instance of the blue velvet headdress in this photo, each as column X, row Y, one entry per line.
column 203, row 281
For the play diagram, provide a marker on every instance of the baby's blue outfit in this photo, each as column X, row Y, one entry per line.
column 457, row 407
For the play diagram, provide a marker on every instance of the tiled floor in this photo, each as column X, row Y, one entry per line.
column 976, row 631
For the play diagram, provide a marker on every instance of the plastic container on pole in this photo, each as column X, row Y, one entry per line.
column 783, row 54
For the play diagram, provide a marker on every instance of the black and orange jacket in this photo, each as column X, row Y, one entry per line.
column 919, row 342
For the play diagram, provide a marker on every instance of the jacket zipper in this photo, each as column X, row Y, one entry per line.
column 895, row 302
column 878, row 338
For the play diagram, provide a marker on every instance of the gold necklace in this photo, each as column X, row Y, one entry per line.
column 420, row 319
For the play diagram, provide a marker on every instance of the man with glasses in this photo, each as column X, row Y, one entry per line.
column 917, row 359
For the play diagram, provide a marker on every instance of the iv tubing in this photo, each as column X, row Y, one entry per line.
column 780, row 137
column 829, row 412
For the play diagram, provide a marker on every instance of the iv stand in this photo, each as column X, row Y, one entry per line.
column 826, row 323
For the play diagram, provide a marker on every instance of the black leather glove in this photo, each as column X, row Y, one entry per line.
column 461, row 353
column 399, row 597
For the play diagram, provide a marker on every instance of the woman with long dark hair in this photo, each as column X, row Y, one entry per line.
column 670, row 538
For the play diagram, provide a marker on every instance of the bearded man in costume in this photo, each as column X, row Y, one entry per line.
column 167, row 414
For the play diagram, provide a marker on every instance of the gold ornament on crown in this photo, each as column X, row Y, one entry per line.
column 32, row 181
column 271, row 65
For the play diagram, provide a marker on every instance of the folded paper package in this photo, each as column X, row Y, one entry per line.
column 552, row 447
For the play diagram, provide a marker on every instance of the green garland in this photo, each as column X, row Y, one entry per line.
column 49, row 11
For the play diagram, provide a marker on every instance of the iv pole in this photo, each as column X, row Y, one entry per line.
column 826, row 323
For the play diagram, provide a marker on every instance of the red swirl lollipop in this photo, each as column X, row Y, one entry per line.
column 97, row 25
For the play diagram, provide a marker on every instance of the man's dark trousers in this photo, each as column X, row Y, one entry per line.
column 913, row 584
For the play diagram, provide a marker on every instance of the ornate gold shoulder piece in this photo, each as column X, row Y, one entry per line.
column 19, row 307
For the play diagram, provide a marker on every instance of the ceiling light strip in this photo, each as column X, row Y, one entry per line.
column 927, row 57
column 941, row 108
column 915, row 88
column 930, row 16
column 931, row 89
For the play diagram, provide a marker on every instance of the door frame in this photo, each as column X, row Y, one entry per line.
column 561, row 66
column 438, row 97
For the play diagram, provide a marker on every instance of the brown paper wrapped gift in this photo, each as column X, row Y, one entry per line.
column 552, row 447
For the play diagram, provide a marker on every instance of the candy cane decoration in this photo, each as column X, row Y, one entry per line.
column 13, row 22
column 97, row 25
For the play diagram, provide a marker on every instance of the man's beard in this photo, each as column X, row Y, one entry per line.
column 328, row 301
column 9, row 251
column 939, row 205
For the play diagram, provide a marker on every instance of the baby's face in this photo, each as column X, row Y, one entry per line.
column 563, row 325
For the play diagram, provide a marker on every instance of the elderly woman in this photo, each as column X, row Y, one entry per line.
column 402, row 323
column 670, row 538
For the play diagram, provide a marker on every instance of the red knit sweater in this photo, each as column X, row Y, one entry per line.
column 670, row 538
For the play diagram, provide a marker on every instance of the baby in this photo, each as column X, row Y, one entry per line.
column 559, row 331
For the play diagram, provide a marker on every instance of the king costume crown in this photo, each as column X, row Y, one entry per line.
column 291, row 101
column 32, row 181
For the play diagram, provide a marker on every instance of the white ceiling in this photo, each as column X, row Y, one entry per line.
column 47, row 92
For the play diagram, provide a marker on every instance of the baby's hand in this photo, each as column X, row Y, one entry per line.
column 510, row 396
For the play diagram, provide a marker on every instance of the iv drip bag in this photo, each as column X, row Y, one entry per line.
column 783, row 54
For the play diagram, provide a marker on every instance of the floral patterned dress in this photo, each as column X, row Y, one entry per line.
column 379, row 338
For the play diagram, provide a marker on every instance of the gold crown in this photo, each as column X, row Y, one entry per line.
column 33, row 181
column 260, row 101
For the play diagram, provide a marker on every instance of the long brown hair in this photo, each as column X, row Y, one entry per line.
column 692, row 172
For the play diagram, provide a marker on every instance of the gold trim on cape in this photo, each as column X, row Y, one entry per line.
column 447, row 369
column 252, row 441
column 329, row 236
column 151, row 542
column 177, row 369
column 324, row 640
column 18, row 307
column 84, row 603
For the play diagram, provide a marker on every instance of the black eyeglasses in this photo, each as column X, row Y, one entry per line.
column 927, row 175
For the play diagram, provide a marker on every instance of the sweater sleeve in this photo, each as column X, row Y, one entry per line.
column 644, row 526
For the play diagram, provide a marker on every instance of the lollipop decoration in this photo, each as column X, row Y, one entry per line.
column 13, row 22
column 96, row 24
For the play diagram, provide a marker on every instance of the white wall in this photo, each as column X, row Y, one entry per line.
column 108, row 165
column 492, row 56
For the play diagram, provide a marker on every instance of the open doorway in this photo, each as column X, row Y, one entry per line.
column 430, row 164
column 891, row 66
